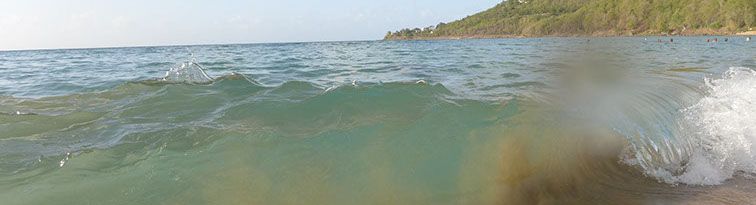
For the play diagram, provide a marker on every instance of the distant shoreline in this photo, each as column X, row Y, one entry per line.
column 575, row 36
column 747, row 33
column 690, row 33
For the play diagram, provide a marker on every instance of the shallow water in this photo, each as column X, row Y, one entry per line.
column 487, row 121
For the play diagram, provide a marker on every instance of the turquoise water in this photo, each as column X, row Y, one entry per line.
column 487, row 121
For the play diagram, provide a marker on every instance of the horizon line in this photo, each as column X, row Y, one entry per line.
column 322, row 41
column 178, row 45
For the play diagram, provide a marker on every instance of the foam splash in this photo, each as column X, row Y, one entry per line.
column 190, row 72
column 723, row 131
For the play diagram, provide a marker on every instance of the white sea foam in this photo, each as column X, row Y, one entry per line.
column 189, row 72
column 723, row 131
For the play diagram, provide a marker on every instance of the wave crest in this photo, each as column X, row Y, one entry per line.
column 190, row 72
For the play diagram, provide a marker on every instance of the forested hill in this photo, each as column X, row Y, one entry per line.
column 531, row 18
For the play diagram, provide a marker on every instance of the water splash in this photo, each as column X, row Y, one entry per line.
column 189, row 72
column 724, row 129
column 705, row 143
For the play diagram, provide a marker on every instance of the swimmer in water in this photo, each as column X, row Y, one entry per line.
column 659, row 40
column 748, row 39
column 671, row 41
column 715, row 40
column 725, row 39
column 645, row 39
column 707, row 40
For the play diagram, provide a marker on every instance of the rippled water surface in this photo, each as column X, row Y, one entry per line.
column 488, row 121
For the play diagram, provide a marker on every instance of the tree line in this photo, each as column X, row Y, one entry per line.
column 595, row 17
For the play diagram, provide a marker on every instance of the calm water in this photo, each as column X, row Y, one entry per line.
column 504, row 121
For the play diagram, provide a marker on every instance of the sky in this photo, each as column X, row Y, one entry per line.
column 50, row 24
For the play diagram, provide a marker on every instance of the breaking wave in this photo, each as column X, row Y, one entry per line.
column 724, row 130
column 705, row 143
column 189, row 72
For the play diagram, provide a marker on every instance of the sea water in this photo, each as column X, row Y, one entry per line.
column 486, row 121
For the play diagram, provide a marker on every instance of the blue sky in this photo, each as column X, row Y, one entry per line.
column 36, row 24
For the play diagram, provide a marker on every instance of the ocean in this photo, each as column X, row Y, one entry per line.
column 616, row 120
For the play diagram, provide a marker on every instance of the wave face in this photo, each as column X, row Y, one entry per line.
column 508, row 121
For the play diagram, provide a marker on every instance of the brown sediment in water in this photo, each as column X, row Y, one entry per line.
column 540, row 165
column 543, row 161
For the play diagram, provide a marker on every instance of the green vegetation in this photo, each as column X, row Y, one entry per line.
column 526, row 18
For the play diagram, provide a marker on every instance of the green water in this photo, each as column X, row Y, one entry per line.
column 508, row 121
